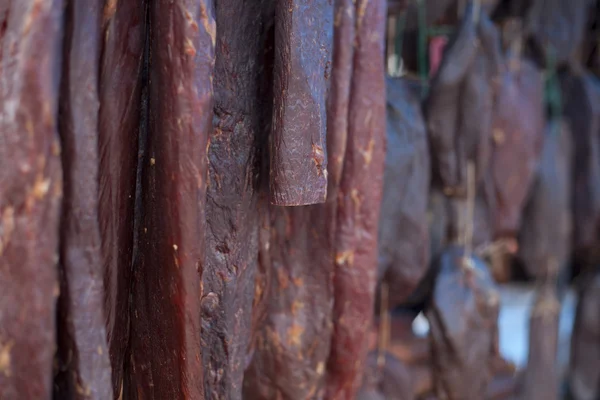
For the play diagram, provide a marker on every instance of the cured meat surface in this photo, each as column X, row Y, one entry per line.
column 303, row 45
column 165, row 359
column 231, row 210
column 582, row 112
column 387, row 378
column 544, row 239
column 82, row 344
column 30, row 195
column 541, row 375
column 403, row 231
column 359, row 202
column 120, row 93
column 517, row 142
column 584, row 368
column 463, row 318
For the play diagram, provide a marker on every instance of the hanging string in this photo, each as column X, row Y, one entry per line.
column 469, row 213
column 422, row 45
column 400, row 24
column 384, row 326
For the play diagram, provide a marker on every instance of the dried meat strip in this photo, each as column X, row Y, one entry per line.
column 463, row 316
column 30, row 194
column 303, row 44
column 120, row 93
column 165, row 359
column 544, row 238
column 232, row 234
column 81, row 333
column 517, row 142
column 358, row 205
column 403, row 230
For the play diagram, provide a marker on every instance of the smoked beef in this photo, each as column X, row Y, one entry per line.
column 387, row 378
column 120, row 116
column 232, row 219
column 165, row 359
column 581, row 99
column 403, row 230
column 30, row 195
column 82, row 345
column 459, row 107
column 556, row 28
column 359, row 202
column 463, row 317
column 303, row 45
column 517, row 141
column 544, row 239
column 541, row 375
column 584, row 369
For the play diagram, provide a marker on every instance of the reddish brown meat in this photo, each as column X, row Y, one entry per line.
column 581, row 94
column 358, row 205
column 303, row 41
column 541, row 375
column 165, row 359
column 517, row 137
column 30, row 195
column 120, row 93
column 386, row 377
column 463, row 317
column 403, row 231
column 231, row 209
column 82, row 346
column 544, row 238
column 584, row 369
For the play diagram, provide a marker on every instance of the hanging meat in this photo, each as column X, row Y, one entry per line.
column 82, row 347
column 582, row 111
column 120, row 122
column 403, row 231
column 459, row 106
column 30, row 195
column 387, row 378
column 232, row 234
column 517, row 141
column 541, row 376
column 165, row 360
column 303, row 45
column 544, row 239
column 584, row 369
column 463, row 317
column 359, row 202
column 556, row 29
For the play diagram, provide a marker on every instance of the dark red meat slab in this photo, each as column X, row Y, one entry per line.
column 517, row 141
column 584, row 369
column 544, row 238
column 165, row 359
column 30, row 194
column 303, row 44
column 541, row 376
column 580, row 96
column 403, row 229
column 83, row 349
column 231, row 210
column 359, row 202
column 120, row 92
column 463, row 317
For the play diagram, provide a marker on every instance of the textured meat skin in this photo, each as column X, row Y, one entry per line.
column 403, row 230
column 120, row 91
column 359, row 201
column 541, row 376
column 81, row 333
column 581, row 109
column 544, row 239
column 231, row 208
column 165, row 340
column 303, row 41
column 584, row 371
column 441, row 108
column 517, row 137
column 30, row 195
column 463, row 318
